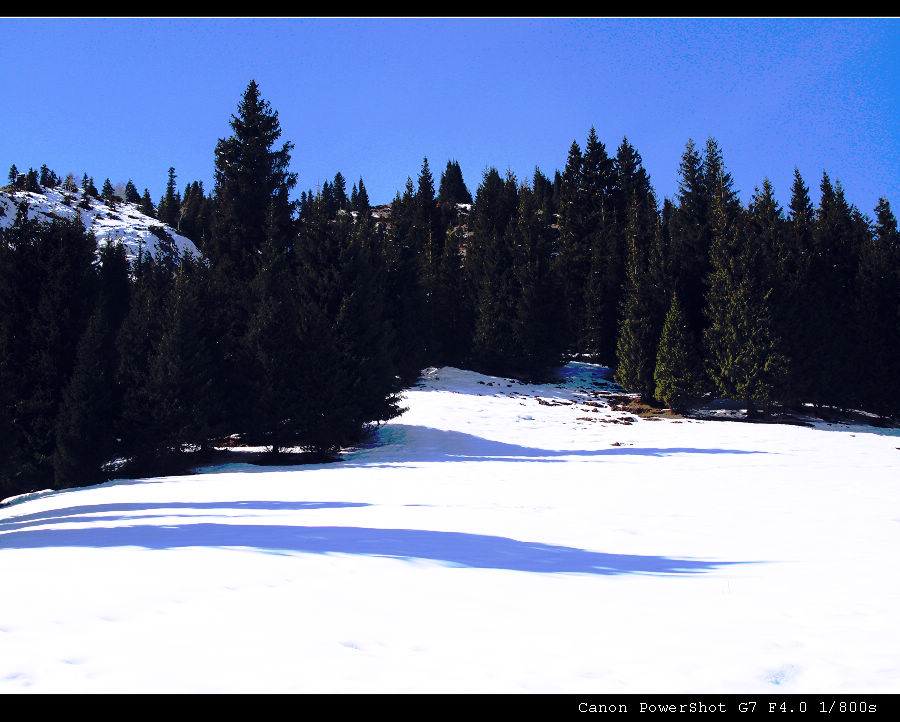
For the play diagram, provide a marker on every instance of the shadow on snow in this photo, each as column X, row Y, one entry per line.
column 477, row 551
column 405, row 443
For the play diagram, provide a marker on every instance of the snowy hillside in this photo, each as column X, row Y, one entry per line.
column 498, row 537
column 124, row 223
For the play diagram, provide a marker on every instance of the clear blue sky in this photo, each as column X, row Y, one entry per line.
column 127, row 98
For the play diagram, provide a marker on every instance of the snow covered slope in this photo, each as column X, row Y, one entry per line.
column 499, row 537
column 124, row 223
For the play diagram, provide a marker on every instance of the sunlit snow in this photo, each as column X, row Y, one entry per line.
column 498, row 537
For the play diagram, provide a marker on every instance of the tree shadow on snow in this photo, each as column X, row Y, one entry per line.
column 168, row 509
column 400, row 443
column 476, row 551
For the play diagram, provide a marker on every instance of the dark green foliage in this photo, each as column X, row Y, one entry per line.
column 146, row 206
column 837, row 240
column 108, row 194
column 678, row 382
column 339, row 188
column 88, row 187
column 131, row 193
column 252, row 188
column 452, row 189
column 745, row 358
column 250, row 172
column 539, row 340
column 489, row 267
column 183, row 398
column 878, row 316
column 572, row 264
column 47, row 292
column 84, row 426
column 403, row 288
column 31, row 181
column 194, row 216
column 361, row 203
column 643, row 305
column 170, row 204
column 48, row 179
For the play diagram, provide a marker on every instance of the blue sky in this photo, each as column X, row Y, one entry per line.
column 127, row 98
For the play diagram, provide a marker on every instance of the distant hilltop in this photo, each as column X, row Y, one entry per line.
column 111, row 222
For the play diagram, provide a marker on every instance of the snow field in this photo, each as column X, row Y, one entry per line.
column 488, row 543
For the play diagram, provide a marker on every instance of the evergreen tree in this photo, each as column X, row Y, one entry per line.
column 796, row 306
column 361, row 205
column 539, row 341
column 644, row 295
column 745, row 358
column 573, row 257
column 183, row 398
column 84, row 426
column 57, row 262
column 108, row 194
column 250, row 172
column 146, row 206
column 678, row 383
column 833, row 266
column 339, row 189
column 403, row 288
column 878, row 316
column 489, row 265
column 131, row 193
column 452, row 188
column 31, row 181
column 605, row 246
column 689, row 236
column 170, row 204
column 252, row 194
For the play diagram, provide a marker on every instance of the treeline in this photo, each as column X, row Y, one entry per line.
column 279, row 334
column 303, row 320
column 699, row 297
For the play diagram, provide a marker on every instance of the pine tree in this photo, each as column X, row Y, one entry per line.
column 833, row 267
column 252, row 192
column 170, row 203
column 250, row 172
column 131, row 193
column 146, row 206
column 745, row 358
column 489, row 265
column 678, row 383
column 57, row 265
column 642, row 305
column 573, row 258
column 339, row 188
column 690, row 238
column 361, row 206
column 108, row 194
column 605, row 246
column 878, row 316
column 84, row 426
column 183, row 400
column 452, row 188
column 539, row 341
column 31, row 181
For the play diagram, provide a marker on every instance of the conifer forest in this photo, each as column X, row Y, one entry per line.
column 302, row 318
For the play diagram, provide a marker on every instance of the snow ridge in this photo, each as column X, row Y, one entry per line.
column 123, row 223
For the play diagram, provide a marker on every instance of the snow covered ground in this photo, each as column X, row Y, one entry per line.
column 499, row 538
column 122, row 224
